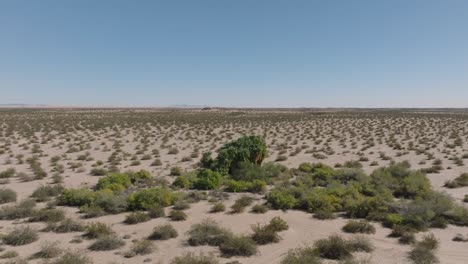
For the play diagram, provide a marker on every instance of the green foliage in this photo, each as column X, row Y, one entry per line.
column 362, row 226
column 392, row 220
column 185, row 181
column 73, row 258
column 281, row 199
column 307, row 255
column 114, row 182
column 177, row 215
column 20, row 210
column 66, row 226
column 136, row 217
column 21, row 236
column 207, row 180
column 44, row 192
column 48, row 215
column 256, row 186
column 333, row 247
column 76, row 197
column 111, row 202
column 106, row 243
column 98, row 229
column 263, row 235
column 147, row 198
column 423, row 251
column 460, row 181
column 238, row 246
column 251, row 149
column 240, row 204
column 208, row 232
column 163, row 232
column 7, row 196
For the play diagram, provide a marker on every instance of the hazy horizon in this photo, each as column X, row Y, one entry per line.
column 265, row 54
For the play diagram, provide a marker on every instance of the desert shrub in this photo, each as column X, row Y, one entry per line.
column 48, row 215
column 98, row 171
column 176, row 171
column 218, row 207
column 48, row 250
column 281, row 199
column 407, row 238
column 114, row 182
column 191, row 258
column 156, row 211
column 7, row 195
column 240, row 204
column 20, row 210
column 136, row 217
column 250, row 172
column 238, row 246
column 105, row 243
column 324, row 214
column 306, row 255
column 256, row 186
column 163, row 232
column 460, row 181
column 360, row 243
column 21, row 236
column 333, row 247
column 142, row 247
column 111, row 202
column 259, row 209
column 147, row 198
column 97, row 229
column 76, row 197
column 207, row 180
column 66, row 226
column 185, row 181
column 423, row 251
column 392, row 220
column 354, row 226
column 251, row 149
column 93, row 210
column 156, row 162
column 207, row 232
column 8, row 173
column 44, row 192
column 71, row 257
column 139, row 176
column 263, row 235
column 177, row 215
column 181, row 205
column 277, row 224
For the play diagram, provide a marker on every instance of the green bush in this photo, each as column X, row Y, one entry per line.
column 256, row 186
column 208, row 232
column 111, row 202
column 238, row 246
column 21, row 236
column 240, row 204
column 251, row 149
column 48, row 215
column 281, row 200
column 423, row 251
column 333, row 247
column 143, row 247
column 191, row 258
column 76, row 197
column 360, row 243
column 218, row 207
column 139, row 176
column 8, row 173
column 178, row 215
column 278, row 224
column 259, row 209
column 66, row 226
column 392, row 220
column 156, row 211
column 185, row 181
column 163, row 232
column 176, row 171
column 105, row 243
column 98, row 172
column 136, row 217
column 208, row 180
column 43, row 193
column 7, row 196
column 114, row 182
column 97, row 229
column 354, row 226
column 263, row 235
column 20, row 210
column 460, row 181
column 305, row 255
column 147, row 198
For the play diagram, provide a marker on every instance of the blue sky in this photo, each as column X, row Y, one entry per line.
column 322, row 53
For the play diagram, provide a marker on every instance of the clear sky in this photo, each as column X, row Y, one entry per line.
column 289, row 53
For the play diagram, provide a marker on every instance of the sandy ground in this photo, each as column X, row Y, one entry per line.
column 345, row 136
